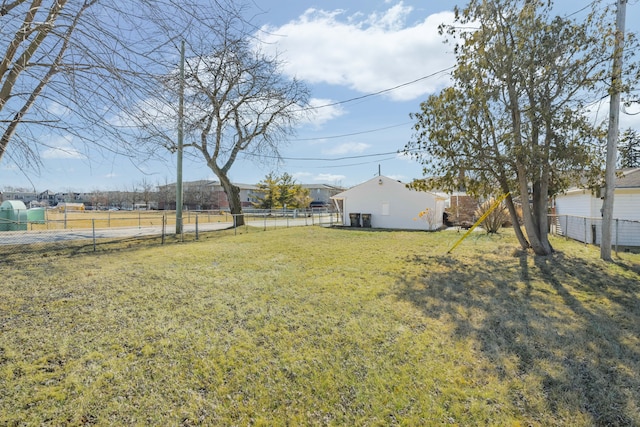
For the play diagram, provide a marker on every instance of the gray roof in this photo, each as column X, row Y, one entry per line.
column 630, row 179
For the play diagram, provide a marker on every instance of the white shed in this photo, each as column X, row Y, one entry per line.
column 383, row 202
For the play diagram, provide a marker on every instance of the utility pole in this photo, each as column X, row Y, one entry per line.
column 179, row 191
column 612, row 135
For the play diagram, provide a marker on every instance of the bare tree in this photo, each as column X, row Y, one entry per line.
column 198, row 194
column 241, row 103
column 33, row 54
column 236, row 101
column 69, row 67
column 165, row 195
column 146, row 192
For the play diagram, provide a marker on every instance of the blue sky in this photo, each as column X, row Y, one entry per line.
column 344, row 51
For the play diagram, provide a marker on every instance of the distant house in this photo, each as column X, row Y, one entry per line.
column 626, row 200
column 460, row 209
column 205, row 194
column 389, row 204
column 47, row 198
column 322, row 193
column 579, row 212
column 25, row 197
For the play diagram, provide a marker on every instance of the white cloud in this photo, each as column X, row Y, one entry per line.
column 346, row 148
column 405, row 157
column 61, row 148
column 327, row 177
column 302, row 176
column 366, row 53
column 322, row 112
column 307, row 177
column 58, row 109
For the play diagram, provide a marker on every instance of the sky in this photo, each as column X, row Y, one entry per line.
column 367, row 63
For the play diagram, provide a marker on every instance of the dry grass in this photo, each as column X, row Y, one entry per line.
column 107, row 219
column 313, row 326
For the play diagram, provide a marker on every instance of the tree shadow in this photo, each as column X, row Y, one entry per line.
column 567, row 323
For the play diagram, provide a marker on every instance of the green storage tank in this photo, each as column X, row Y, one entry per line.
column 36, row 215
column 13, row 216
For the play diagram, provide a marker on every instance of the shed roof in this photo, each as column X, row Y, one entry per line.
column 381, row 179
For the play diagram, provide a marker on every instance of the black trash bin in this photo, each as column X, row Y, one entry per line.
column 354, row 219
column 366, row 220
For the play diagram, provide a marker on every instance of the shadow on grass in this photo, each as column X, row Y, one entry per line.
column 567, row 326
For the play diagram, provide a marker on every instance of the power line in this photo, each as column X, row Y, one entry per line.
column 333, row 159
column 354, row 164
column 357, row 98
column 582, row 9
column 350, row 134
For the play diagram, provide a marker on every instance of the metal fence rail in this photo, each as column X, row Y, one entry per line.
column 625, row 233
column 90, row 229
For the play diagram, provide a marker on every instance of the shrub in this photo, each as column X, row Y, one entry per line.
column 496, row 219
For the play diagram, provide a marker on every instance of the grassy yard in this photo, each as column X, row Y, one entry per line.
column 315, row 326
column 106, row 219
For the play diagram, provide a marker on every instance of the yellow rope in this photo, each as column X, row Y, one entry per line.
column 482, row 218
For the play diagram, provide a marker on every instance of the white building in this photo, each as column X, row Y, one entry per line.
column 389, row 204
column 626, row 199
column 579, row 212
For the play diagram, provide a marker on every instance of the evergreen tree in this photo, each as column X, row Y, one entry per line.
column 629, row 149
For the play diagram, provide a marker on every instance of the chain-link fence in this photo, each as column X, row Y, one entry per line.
column 90, row 229
column 625, row 233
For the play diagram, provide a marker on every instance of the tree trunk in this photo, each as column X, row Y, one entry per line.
column 531, row 224
column 233, row 195
column 528, row 218
column 524, row 243
column 541, row 201
column 539, row 211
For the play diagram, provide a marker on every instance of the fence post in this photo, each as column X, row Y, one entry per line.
column 585, row 230
column 265, row 221
column 196, row 226
column 164, row 227
column 139, row 223
column 617, row 235
column 93, row 227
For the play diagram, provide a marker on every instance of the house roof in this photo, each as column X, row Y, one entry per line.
column 625, row 178
column 386, row 181
column 630, row 178
column 322, row 186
